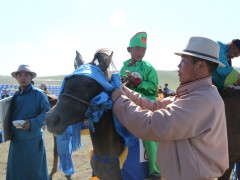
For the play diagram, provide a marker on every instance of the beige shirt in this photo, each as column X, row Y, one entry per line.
column 191, row 128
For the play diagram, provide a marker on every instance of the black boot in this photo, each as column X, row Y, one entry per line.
column 155, row 177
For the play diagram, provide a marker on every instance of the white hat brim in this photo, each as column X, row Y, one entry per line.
column 202, row 57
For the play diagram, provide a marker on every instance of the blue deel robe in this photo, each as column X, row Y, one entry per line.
column 220, row 74
column 27, row 156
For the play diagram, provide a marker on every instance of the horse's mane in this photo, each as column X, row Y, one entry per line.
column 103, row 59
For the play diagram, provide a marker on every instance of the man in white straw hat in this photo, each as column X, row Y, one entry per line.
column 27, row 156
column 191, row 126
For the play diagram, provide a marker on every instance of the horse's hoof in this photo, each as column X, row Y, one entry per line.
column 68, row 177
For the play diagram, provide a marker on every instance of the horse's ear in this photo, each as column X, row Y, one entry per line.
column 78, row 61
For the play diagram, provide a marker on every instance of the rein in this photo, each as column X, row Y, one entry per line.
column 75, row 98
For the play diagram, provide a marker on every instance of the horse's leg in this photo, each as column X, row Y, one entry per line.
column 55, row 158
column 227, row 174
column 106, row 170
column 68, row 177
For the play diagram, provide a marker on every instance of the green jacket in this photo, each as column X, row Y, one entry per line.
column 148, row 86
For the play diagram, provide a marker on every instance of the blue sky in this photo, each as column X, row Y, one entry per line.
column 45, row 34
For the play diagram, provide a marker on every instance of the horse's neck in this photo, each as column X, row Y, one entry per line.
column 106, row 141
column 230, row 92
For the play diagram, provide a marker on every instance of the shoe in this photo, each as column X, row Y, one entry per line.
column 155, row 177
column 68, row 177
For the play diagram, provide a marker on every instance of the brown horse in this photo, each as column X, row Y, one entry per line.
column 231, row 98
column 77, row 93
column 53, row 101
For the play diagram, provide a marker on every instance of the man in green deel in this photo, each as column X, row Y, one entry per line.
column 141, row 77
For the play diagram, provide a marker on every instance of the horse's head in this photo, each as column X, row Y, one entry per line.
column 77, row 92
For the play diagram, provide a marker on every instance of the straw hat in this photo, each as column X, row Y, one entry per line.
column 203, row 48
column 23, row 68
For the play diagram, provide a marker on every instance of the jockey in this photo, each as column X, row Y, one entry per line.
column 141, row 77
column 225, row 76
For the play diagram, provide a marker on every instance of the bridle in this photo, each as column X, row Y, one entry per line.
column 76, row 98
column 94, row 157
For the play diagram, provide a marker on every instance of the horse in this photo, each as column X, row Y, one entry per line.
column 231, row 98
column 74, row 101
column 53, row 101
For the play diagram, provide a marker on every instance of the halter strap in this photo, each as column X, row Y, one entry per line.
column 76, row 98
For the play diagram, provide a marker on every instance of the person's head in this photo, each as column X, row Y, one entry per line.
column 233, row 49
column 24, row 75
column 199, row 59
column 166, row 84
column 137, row 46
column 43, row 87
column 5, row 91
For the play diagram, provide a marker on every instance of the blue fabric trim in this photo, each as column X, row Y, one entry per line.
column 68, row 142
column 105, row 160
column 102, row 102
column 92, row 72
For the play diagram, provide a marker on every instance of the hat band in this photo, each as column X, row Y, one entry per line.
column 202, row 54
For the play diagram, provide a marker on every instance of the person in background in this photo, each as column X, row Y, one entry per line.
column 160, row 93
column 44, row 88
column 140, row 76
column 5, row 94
column 189, row 124
column 27, row 156
column 225, row 76
column 166, row 90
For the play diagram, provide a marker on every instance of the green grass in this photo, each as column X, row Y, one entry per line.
column 169, row 77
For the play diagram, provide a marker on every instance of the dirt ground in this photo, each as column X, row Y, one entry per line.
column 80, row 158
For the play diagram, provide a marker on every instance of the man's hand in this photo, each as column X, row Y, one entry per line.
column 116, row 94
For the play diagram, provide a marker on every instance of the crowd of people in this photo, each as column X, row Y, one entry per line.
column 178, row 132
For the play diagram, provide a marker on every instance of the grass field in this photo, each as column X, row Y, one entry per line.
column 80, row 159
column 169, row 77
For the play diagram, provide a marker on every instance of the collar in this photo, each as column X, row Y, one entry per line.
column 27, row 89
column 128, row 63
column 192, row 86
